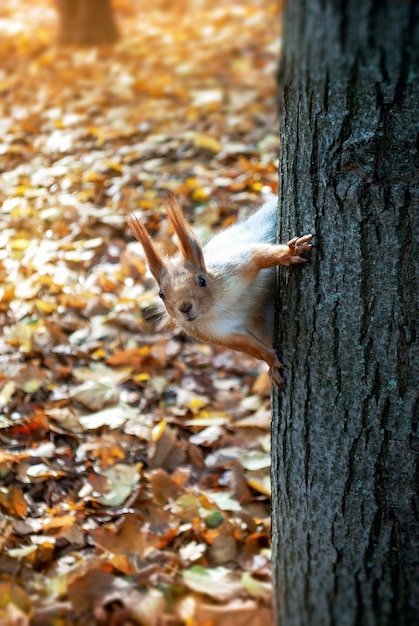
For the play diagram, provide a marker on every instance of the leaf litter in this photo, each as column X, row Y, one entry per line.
column 134, row 462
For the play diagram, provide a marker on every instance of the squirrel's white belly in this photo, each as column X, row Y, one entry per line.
column 225, row 323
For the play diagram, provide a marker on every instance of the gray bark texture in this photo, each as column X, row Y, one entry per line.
column 345, row 439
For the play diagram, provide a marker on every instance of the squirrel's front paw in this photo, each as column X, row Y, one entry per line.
column 297, row 246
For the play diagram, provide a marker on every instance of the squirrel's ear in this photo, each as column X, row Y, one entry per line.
column 154, row 259
column 189, row 244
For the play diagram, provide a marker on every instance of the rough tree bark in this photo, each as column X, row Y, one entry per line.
column 345, row 429
column 86, row 22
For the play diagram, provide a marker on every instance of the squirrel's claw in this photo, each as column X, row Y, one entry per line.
column 297, row 246
column 300, row 244
column 277, row 380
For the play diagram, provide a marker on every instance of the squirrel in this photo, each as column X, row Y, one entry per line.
column 223, row 293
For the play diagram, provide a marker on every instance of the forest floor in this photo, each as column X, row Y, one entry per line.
column 134, row 463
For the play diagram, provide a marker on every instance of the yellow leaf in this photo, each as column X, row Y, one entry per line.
column 94, row 177
column 158, row 430
column 98, row 354
column 45, row 307
column 199, row 195
column 262, row 485
column 201, row 140
column 140, row 378
column 7, row 293
column 20, row 243
column 20, row 190
column 196, row 404
column 113, row 165
column 94, row 130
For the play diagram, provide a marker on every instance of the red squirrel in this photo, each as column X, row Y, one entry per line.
column 224, row 293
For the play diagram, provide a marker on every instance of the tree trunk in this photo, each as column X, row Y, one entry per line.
column 345, row 429
column 86, row 22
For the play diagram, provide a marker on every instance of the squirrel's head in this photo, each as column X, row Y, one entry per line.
column 185, row 286
column 186, row 291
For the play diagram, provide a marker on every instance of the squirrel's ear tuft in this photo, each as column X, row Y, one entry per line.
column 189, row 244
column 154, row 259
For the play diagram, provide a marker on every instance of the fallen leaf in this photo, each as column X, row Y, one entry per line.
column 113, row 417
column 217, row 582
column 121, row 479
column 95, row 395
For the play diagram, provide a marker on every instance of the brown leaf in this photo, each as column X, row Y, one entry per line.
column 129, row 537
column 167, row 452
column 163, row 486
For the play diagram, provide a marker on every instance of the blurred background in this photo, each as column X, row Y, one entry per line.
column 128, row 455
column 187, row 91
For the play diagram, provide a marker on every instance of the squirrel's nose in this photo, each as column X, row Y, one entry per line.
column 185, row 307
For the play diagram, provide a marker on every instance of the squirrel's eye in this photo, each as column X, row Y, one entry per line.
column 201, row 281
column 161, row 294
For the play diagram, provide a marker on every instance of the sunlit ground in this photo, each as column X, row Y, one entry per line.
column 133, row 461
